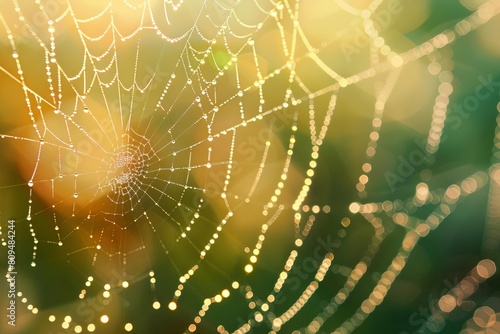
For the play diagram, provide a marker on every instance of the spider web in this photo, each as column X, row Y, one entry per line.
column 187, row 160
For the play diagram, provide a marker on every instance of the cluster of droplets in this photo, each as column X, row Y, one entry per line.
column 128, row 163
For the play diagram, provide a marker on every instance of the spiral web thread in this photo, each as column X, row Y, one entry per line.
column 136, row 125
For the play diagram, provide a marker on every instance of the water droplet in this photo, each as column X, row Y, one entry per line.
column 85, row 110
column 57, row 111
column 15, row 55
column 75, row 195
column 210, row 138
column 30, row 183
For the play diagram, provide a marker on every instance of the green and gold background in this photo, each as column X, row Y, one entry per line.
column 251, row 166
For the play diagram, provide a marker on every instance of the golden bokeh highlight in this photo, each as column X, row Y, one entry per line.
column 217, row 189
